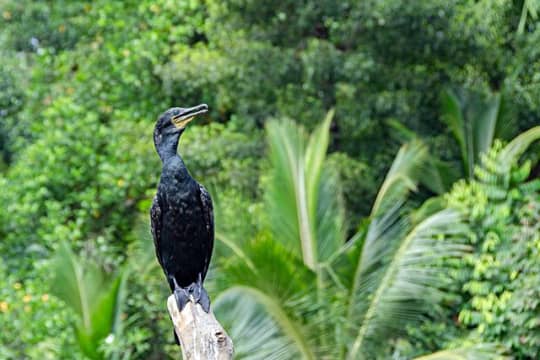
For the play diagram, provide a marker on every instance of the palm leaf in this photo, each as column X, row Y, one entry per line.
column 91, row 294
column 474, row 352
column 475, row 121
column 255, row 333
column 437, row 175
column 330, row 217
column 402, row 177
column 515, row 148
column 302, row 214
column 293, row 338
column 280, row 274
column 373, row 241
column 530, row 7
column 236, row 250
column 280, row 284
column 386, row 225
column 286, row 194
column 378, row 236
column 398, row 291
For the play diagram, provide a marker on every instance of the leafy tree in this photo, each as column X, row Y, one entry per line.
column 500, row 277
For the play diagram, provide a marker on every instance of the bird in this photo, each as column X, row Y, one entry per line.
column 181, row 215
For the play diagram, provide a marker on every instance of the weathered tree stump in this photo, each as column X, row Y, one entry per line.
column 200, row 334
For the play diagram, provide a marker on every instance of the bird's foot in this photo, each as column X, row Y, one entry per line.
column 199, row 295
column 204, row 300
column 194, row 292
column 182, row 297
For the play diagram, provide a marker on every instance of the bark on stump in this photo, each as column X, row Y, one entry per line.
column 200, row 334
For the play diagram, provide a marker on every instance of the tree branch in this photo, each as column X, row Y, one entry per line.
column 200, row 334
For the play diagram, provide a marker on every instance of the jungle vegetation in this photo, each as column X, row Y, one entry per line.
column 374, row 167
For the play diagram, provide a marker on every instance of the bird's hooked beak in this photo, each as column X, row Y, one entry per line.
column 181, row 120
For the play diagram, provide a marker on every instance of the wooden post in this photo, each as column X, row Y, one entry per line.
column 200, row 334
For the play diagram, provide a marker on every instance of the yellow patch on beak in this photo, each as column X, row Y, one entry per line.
column 180, row 122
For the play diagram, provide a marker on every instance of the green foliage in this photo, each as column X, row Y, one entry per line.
column 32, row 26
column 357, row 182
column 300, row 196
column 474, row 352
column 322, row 58
column 74, row 198
column 38, row 319
column 502, row 281
column 340, row 302
column 475, row 122
column 81, row 84
column 530, row 8
column 95, row 298
column 11, row 102
column 224, row 158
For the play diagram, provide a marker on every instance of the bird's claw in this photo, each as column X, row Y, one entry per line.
column 182, row 297
column 195, row 292
column 199, row 295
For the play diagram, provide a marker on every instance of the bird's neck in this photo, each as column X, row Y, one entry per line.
column 168, row 147
column 174, row 168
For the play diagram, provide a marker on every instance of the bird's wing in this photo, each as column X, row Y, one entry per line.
column 155, row 222
column 208, row 212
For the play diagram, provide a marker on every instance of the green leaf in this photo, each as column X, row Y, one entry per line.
column 302, row 198
column 95, row 298
column 515, row 148
column 291, row 338
column 475, row 121
column 402, row 177
column 474, row 352
column 400, row 289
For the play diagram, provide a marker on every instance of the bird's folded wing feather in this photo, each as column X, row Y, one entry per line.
column 208, row 212
column 155, row 222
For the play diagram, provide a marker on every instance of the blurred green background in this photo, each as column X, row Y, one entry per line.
column 373, row 167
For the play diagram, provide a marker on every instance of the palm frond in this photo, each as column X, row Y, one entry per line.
column 278, row 271
column 402, row 177
column 399, row 290
column 474, row 352
column 276, row 284
column 285, row 288
column 365, row 252
column 378, row 237
column 330, row 217
column 301, row 213
column 94, row 297
column 280, row 336
column 530, row 8
column 453, row 117
column 236, row 250
column 475, row 121
column 286, row 195
column 515, row 148
column 437, row 175
column 255, row 333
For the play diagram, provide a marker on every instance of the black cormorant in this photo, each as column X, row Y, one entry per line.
column 181, row 215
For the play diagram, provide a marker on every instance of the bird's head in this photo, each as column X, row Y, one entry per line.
column 172, row 123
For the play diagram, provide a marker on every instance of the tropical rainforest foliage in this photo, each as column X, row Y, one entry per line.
column 374, row 168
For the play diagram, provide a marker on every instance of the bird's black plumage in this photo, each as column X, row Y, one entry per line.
column 181, row 214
